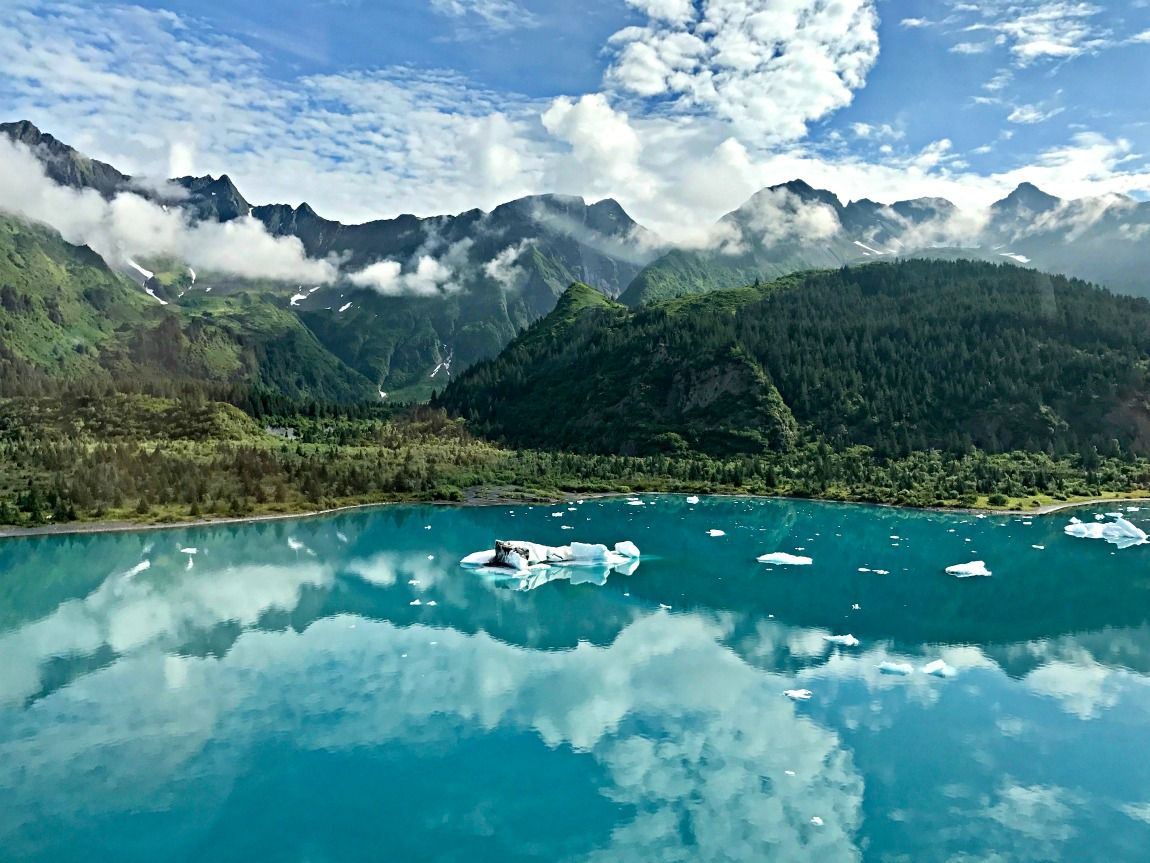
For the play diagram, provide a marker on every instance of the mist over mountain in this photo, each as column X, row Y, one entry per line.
column 408, row 301
column 793, row 226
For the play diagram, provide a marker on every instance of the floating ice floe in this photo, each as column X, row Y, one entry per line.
column 296, row 299
column 713, row 532
column 938, row 668
column 1119, row 532
column 189, row 550
column 968, row 570
column 798, row 694
column 899, row 668
column 693, row 499
column 532, row 564
column 783, row 559
column 844, row 640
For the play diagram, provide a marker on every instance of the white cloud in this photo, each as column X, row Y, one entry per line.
column 969, row 48
column 1038, row 30
column 768, row 68
column 1031, row 114
column 376, row 143
column 130, row 226
column 492, row 14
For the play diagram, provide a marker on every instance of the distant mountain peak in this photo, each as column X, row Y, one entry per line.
column 1029, row 196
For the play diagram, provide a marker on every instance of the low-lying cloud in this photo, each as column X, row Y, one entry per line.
column 132, row 226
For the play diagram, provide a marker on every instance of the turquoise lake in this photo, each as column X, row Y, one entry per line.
column 280, row 698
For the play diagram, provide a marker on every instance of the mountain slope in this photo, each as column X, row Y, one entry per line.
column 65, row 317
column 418, row 294
column 897, row 356
column 594, row 376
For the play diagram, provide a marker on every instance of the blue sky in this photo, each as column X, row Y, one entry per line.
column 678, row 108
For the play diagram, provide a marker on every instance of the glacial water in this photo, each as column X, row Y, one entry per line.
column 277, row 696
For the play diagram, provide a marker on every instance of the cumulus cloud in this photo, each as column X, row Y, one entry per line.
column 379, row 142
column 769, row 68
column 130, row 225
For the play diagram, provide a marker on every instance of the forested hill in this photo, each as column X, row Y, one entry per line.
column 899, row 356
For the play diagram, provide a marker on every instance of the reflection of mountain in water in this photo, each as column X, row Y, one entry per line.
column 249, row 578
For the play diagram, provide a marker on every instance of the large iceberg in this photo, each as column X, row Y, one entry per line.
column 534, row 564
column 783, row 559
column 1119, row 532
column 968, row 570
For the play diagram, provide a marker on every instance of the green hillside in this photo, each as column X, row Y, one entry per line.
column 65, row 318
column 900, row 357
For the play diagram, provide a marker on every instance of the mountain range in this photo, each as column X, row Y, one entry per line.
column 449, row 291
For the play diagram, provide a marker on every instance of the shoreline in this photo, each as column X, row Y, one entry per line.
column 97, row 527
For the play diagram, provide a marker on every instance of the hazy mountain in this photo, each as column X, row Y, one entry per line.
column 451, row 289
column 794, row 227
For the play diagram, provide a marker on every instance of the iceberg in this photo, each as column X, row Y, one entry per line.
column 627, row 548
column 844, row 640
column 968, row 570
column 535, row 564
column 798, row 694
column 1119, row 532
column 938, row 668
column 900, row 668
column 783, row 559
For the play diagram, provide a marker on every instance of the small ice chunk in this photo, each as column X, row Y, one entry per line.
column 627, row 548
column 798, row 694
column 189, row 550
column 295, row 545
column 635, row 503
column 664, row 606
column 864, row 569
column 341, row 536
column 882, row 572
column 693, row 499
column 938, row 668
column 899, row 668
column 297, row 298
column 968, row 570
column 817, row 821
column 432, row 602
column 557, row 515
column 856, row 607
column 713, row 532
column 567, row 527
column 1039, row 547
column 416, row 602
column 344, row 307
column 845, row 640
column 191, row 563
column 783, row 559
column 1075, row 520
